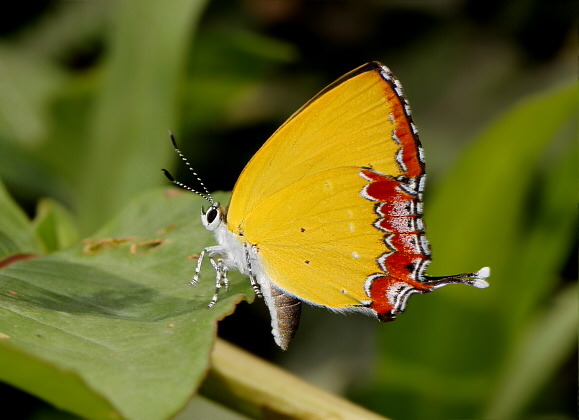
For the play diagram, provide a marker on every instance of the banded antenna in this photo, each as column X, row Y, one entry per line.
column 207, row 195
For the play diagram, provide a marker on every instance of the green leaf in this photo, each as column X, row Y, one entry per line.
column 55, row 225
column 488, row 187
column 545, row 336
column 111, row 328
column 25, row 84
column 546, row 344
column 16, row 233
column 27, row 172
column 136, row 105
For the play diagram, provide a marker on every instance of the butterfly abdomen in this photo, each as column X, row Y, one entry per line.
column 289, row 309
column 285, row 310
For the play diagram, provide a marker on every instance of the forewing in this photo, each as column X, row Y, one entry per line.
column 359, row 121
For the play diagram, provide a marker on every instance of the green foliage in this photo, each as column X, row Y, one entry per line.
column 54, row 225
column 508, row 203
column 131, row 112
column 110, row 328
column 16, row 233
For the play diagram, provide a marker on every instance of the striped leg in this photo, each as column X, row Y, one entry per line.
column 209, row 249
column 224, row 276
column 220, row 279
column 251, row 275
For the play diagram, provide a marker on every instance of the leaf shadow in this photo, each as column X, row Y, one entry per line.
column 80, row 289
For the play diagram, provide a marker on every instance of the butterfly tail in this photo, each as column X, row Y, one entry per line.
column 476, row 279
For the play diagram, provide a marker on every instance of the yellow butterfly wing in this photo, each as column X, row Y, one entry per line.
column 347, row 124
column 305, row 199
column 315, row 237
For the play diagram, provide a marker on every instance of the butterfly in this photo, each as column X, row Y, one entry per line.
column 329, row 210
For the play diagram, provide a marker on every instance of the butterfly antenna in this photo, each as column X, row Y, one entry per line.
column 180, row 184
column 207, row 195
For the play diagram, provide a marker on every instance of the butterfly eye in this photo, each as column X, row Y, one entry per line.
column 212, row 218
column 211, row 215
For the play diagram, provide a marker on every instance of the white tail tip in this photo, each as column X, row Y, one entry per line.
column 480, row 276
column 484, row 272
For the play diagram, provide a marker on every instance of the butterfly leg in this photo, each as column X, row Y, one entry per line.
column 251, row 275
column 220, row 279
column 210, row 249
column 224, row 278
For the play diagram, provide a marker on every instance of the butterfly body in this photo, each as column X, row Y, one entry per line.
column 233, row 252
column 329, row 210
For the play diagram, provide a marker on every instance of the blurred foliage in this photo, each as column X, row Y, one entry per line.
column 89, row 89
column 479, row 220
